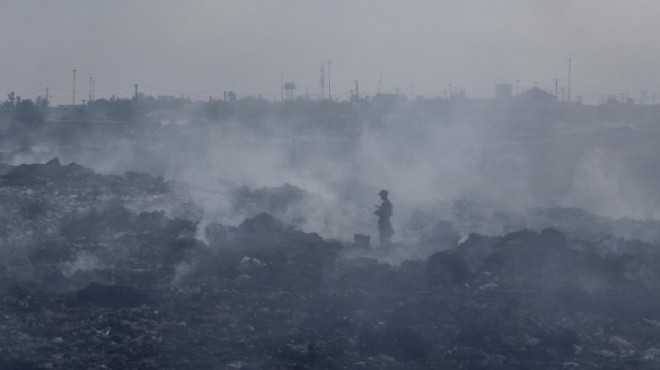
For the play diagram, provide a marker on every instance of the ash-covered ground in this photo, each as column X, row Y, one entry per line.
column 523, row 239
column 126, row 272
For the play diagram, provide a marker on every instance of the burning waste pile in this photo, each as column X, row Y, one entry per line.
column 94, row 275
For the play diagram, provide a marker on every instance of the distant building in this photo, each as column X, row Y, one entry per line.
column 389, row 99
column 534, row 106
column 166, row 98
column 535, row 98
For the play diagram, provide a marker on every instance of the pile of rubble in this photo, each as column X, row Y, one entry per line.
column 90, row 282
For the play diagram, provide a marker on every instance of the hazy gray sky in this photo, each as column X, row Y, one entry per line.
column 200, row 48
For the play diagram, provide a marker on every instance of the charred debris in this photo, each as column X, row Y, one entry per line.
column 91, row 280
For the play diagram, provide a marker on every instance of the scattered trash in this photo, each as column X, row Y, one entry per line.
column 88, row 281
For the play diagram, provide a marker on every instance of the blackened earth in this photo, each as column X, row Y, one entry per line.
column 90, row 282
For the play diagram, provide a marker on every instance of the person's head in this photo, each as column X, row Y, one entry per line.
column 383, row 194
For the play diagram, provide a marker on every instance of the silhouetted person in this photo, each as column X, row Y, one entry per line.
column 384, row 212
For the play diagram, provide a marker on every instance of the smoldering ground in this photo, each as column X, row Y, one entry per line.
column 420, row 156
column 200, row 245
column 90, row 278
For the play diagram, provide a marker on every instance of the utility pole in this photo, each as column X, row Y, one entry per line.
column 570, row 60
column 136, row 92
column 47, row 96
column 557, row 88
column 357, row 91
column 322, row 81
column 380, row 82
column 93, row 83
column 90, row 91
column 329, row 90
column 73, row 98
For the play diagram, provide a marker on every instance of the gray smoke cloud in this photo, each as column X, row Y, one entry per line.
column 425, row 160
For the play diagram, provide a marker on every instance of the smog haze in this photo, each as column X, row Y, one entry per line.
column 421, row 47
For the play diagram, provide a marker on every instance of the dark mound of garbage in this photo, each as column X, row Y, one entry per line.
column 265, row 251
column 581, row 224
column 472, row 217
column 54, row 174
column 276, row 200
column 92, row 282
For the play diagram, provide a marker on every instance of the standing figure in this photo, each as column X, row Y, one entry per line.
column 384, row 212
